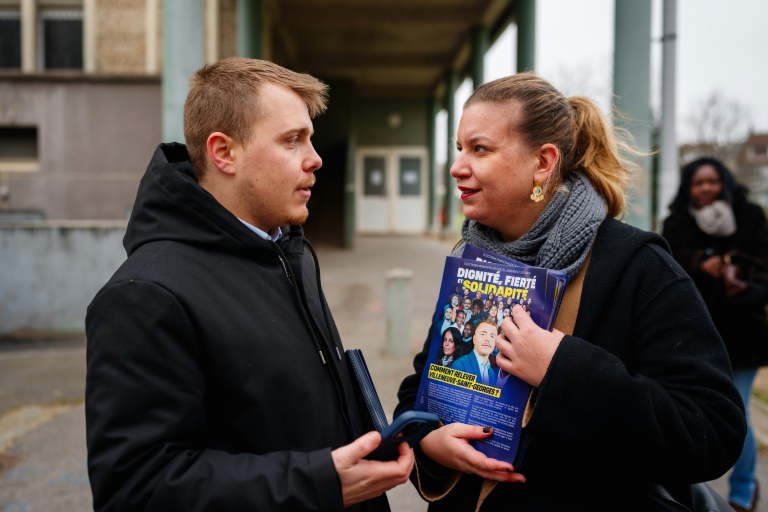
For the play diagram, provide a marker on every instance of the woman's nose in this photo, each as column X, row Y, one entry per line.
column 458, row 168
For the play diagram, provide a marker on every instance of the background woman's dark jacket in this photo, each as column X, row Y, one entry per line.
column 741, row 321
column 640, row 392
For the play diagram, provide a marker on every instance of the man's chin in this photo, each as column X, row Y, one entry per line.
column 298, row 219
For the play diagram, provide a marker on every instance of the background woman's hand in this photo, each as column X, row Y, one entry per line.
column 525, row 349
column 713, row 266
column 449, row 446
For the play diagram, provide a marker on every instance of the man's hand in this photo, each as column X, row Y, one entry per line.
column 449, row 446
column 525, row 349
column 365, row 479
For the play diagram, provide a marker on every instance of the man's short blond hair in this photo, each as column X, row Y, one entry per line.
column 224, row 97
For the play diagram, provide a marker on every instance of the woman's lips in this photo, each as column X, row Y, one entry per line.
column 467, row 192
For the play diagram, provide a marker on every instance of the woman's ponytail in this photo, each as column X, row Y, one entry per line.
column 600, row 150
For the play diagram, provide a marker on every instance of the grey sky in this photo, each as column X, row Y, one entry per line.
column 721, row 48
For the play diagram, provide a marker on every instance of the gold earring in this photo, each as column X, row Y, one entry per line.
column 538, row 194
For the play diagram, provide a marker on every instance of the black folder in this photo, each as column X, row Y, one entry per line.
column 366, row 390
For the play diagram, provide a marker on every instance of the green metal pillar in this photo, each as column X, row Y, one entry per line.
column 525, row 17
column 350, row 210
column 249, row 29
column 632, row 93
column 183, row 54
column 479, row 48
column 433, row 107
column 451, row 84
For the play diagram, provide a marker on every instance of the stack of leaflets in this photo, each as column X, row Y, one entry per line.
column 467, row 386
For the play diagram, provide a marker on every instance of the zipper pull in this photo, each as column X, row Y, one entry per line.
column 287, row 274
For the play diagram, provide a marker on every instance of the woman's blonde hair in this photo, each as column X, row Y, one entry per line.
column 582, row 134
column 224, row 97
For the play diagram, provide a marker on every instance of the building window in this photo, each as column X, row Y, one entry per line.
column 18, row 149
column 61, row 39
column 18, row 143
column 10, row 39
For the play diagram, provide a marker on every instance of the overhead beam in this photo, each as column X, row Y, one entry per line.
column 298, row 14
column 495, row 9
column 386, row 91
column 372, row 60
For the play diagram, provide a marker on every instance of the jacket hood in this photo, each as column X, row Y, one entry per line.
column 171, row 206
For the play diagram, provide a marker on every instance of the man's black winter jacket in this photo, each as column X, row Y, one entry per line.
column 216, row 378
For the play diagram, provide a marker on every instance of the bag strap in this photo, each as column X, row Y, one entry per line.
column 569, row 309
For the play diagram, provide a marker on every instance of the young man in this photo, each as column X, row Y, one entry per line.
column 196, row 397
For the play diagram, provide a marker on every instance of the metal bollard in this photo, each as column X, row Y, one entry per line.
column 399, row 310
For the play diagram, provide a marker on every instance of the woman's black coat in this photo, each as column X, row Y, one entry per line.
column 641, row 392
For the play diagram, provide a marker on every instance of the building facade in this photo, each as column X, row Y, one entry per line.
column 88, row 88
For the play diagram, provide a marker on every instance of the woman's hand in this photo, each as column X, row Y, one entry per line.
column 525, row 349
column 713, row 266
column 449, row 446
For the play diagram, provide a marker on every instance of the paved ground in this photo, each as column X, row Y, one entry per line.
column 42, row 446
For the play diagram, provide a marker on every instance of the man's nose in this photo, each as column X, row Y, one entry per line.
column 313, row 162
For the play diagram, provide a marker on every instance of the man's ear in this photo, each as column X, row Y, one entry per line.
column 548, row 156
column 222, row 151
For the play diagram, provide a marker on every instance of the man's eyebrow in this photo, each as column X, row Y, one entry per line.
column 298, row 131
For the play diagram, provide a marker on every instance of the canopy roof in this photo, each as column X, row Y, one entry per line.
column 395, row 48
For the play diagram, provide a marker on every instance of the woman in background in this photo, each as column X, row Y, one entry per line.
column 712, row 223
column 633, row 386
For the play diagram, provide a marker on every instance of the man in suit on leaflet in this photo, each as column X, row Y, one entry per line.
column 478, row 360
column 216, row 376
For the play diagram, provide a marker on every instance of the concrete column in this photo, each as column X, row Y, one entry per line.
column 211, row 31
column 28, row 36
column 632, row 92
column 249, row 29
column 525, row 18
column 150, row 36
column 669, row 175
column 90, row 23
column 182, row 56
column 452, row 83
column 399, row 299
column 479, row 48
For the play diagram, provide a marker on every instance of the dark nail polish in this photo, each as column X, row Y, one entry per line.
column 487, row 429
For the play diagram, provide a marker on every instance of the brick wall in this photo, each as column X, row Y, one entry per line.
column 121, row 36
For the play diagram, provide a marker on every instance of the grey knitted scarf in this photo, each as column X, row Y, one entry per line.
column 562, row 236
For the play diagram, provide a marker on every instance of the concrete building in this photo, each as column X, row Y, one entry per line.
column 85, row 95
column 752, row 167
